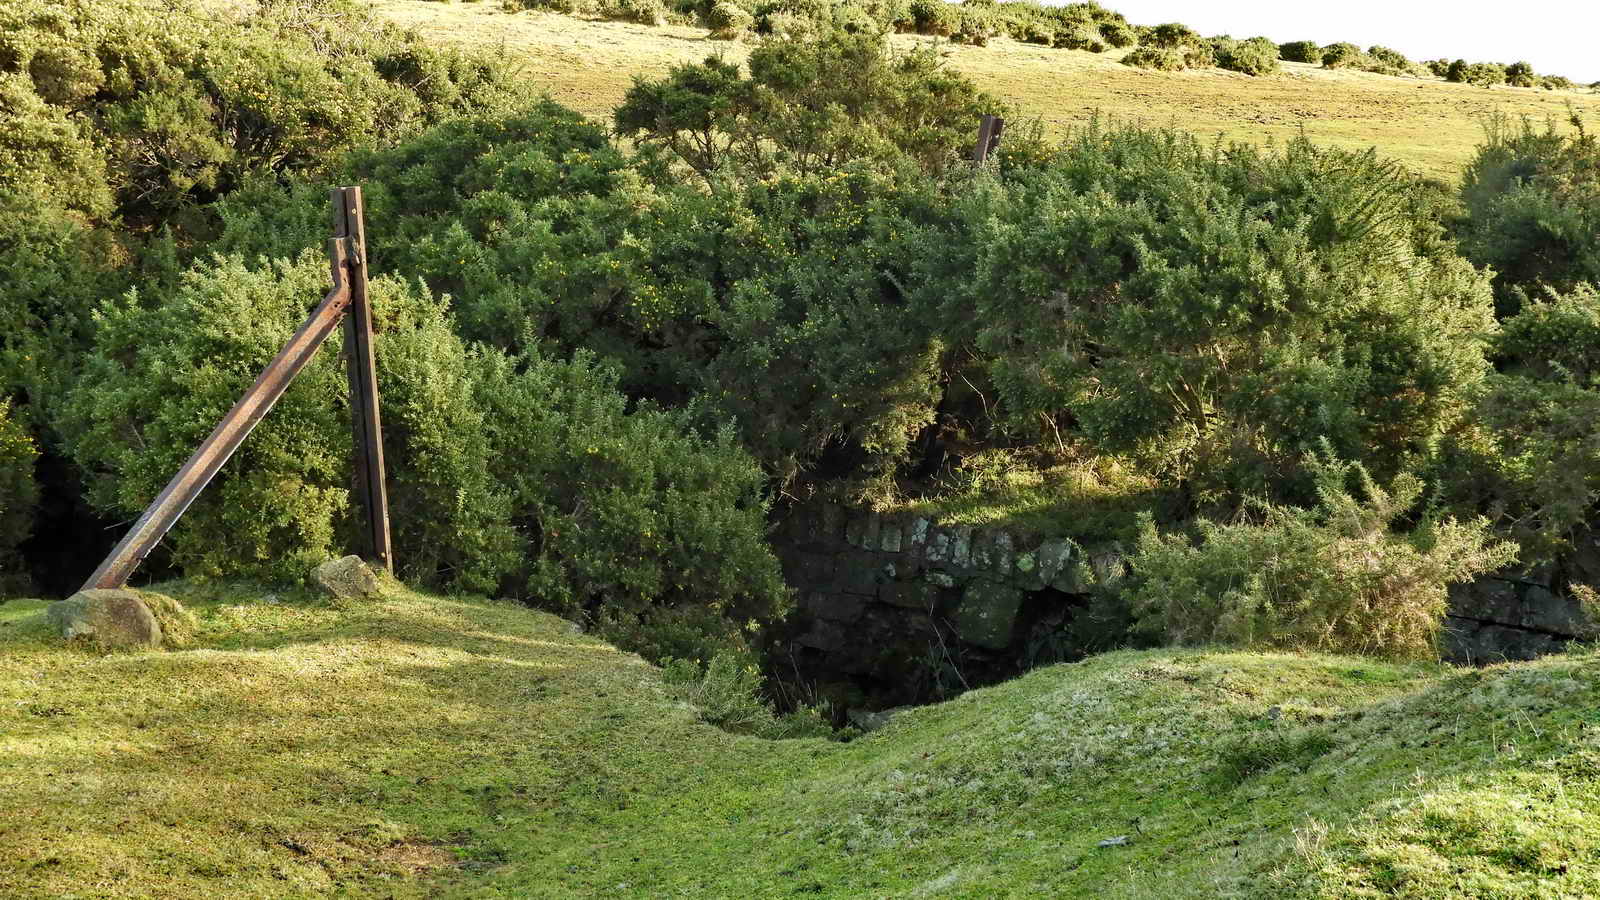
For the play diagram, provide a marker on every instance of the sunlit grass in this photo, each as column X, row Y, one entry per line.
column 1429, row 124
column 425, row 746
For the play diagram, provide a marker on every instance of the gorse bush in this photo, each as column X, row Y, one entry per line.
column 516, row 474
column 121, row 120
column 1342, row 55
column 1256, row 56
column 1301, row 52
column 1174, row 47
column 1215, row 312
column 1172, row 36
column 129, row 107
column 1338, row 578
column 162, row 375
column 623, row 512
column 1531, row 458
column 1157, row 58
column 1385, row 61
column 18, row 494
column 808, row 106
column 1521, row 74
column 1532, row 197
column 727, row 692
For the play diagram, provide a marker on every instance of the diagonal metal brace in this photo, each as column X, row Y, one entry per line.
column 349, row 286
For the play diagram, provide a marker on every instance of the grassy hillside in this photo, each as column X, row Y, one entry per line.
column 429, row 746
column 1429, row 124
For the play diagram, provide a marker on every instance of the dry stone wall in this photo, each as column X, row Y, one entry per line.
column 900, row 609
column 1523, row 615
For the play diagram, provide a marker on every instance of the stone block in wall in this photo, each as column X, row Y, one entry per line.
column 1487, row 599
column 889, row 537
column 831, row 522
column 806, row 570
column 1003, row 551
column 987, row 615
column 859, row 573
column 1054, row 558
column 920, row 595
column 1543, row 610
column 919, row 532
column 825, row 636
column 1478, row 642
column 961, row 548
column 871, row 531
column 834, row 607
column 855, row 531
column 1030, row 576
column 938, row 550
column 983, row 551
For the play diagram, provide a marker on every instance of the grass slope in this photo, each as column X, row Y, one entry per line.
column 443, row 747
column 1427, row 123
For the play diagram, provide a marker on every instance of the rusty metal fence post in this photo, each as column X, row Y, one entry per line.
column 365, row 421
column 989, row 131
column 347, row 260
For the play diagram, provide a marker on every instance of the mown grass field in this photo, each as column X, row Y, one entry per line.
column 1429, row 124
column 425, row 746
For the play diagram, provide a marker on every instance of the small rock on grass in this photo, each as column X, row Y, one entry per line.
column 109, row 618
column 349, row 578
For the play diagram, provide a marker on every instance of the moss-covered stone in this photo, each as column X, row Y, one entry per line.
column 109, row 618
column 988, row 614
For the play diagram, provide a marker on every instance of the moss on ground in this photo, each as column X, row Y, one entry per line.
column 420, row 745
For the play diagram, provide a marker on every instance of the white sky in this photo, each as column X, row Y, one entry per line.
column 1558, row 38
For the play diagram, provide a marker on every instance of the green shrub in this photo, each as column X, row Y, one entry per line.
column 1119, row 34
column 18, row 496
column 1530, row 461
column 142, row 109
column 808, row 105
column 625, row 514
column 1439, row 67
column 1157, row 58
column 1342, row 55
column 727, row 694
column 54, row 269
column 1385, row 61
column 1556, row 83
column 1335, row 579
column 935, row 17
column 1256, row 56
column 1039, row 32
column 1301, row 52
column 160, row 377
column 1555, row 337
column 1531, row 458
column 1079, row 34
column 1458, row 72
column 728, row 20
column 1486, row 74
column 1216, row 315
column 519, row 474
column 641, row 12
column 1532, row 198
column 1520, row 74
column 1172, row 36
column 978, row 25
